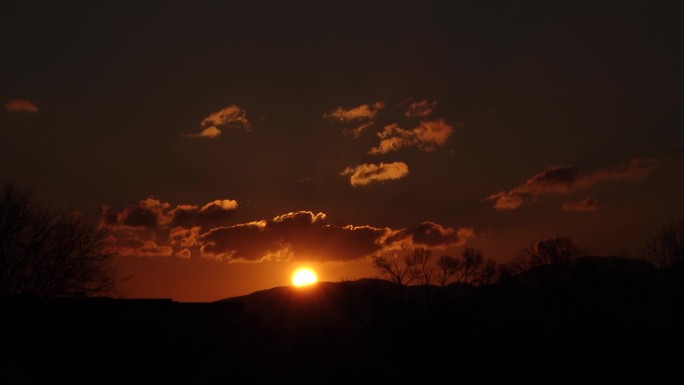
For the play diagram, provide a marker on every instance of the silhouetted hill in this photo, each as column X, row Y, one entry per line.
column 596, row 319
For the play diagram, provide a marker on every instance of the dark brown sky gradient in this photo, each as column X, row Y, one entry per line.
column 513, row 120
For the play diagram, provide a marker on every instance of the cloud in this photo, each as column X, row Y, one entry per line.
column 151, row 213
column 420, row 109
column 356, row 132
column 295, row 235
column 586, row 204
column 562, row 180
column 367, row 173
column 208, row 133
column 211, row 213
column 20, row 105
column 299, row 235
column 305, row 235
column 362, row 112
column 431, row 235
column 427, row 136
column 232, row 116
column 151, row 227
column 183, row 237
column 140, row 248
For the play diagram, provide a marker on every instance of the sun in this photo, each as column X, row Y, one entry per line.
column 304, row 277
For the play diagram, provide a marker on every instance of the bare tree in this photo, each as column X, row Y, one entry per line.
column 667, row 248
column 47, row 254
column 552, row 252
column 449, row 267
column 400, row 269
column 423, row 257
column 471, row 268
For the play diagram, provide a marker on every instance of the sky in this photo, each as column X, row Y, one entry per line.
column 227, row 143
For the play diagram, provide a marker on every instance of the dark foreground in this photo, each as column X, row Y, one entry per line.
column 595, row 321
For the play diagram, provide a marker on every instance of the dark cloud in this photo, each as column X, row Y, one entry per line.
column 145, row 213
column 586, row 204
column 679, row 149
column 152, row 212
column 564, row 179
column 20, row 105
column 140, row 248
column 151, row 228
column 213, row 213
column 300, row 235
column 430, row 234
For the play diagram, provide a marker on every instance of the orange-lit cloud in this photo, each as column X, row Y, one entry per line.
column 362, row 112
column 208, row 133
column 421, row 109
column 20, row 105
column 355, row 132
column 232, row 116
column 183, row 237
column 564, row 179
column 586, row 204
column 367, row 173
column 427, row 136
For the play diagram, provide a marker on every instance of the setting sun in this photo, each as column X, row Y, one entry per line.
column 304, row 277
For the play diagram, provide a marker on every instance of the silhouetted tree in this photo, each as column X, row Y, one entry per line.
column 475, row 269
column 471, row 268
column 552, row 252
column 448, row 267
column 47, row 254
column 667, row 248
column 400, row 269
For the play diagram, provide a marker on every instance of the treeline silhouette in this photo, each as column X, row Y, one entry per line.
column 551, row 315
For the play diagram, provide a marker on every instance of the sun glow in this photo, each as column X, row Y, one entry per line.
column 304, row 277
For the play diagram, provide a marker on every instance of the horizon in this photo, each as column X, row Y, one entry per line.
column 227, row 145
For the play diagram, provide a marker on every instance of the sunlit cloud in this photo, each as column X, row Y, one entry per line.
column 183, row 237
column 421, row 109
column 586, row 204
column 355, row 132
column 367, row 173
column 427, row 136
column 232, row 116
column 208, row 133
column 362, row 112
column 562, row 180
column 20, row 105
